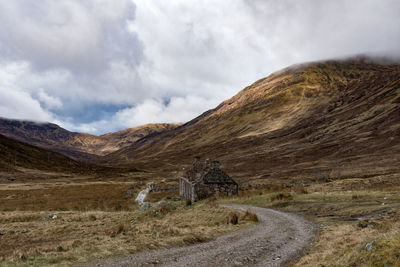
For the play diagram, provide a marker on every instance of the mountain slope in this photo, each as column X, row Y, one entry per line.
column 316, row 121
column 15, row 155
column 75, row 145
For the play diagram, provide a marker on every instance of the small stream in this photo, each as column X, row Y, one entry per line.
column 142, row 195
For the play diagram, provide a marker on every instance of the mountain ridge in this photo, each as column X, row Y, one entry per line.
column 80, row 146
column 305, row 122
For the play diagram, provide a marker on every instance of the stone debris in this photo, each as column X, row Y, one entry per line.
column 369, row 245
column 276, row 258
column 50, row 216
column 145, row 206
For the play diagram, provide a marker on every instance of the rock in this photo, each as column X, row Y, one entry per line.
column 145, row 206
column 161, row 203
column 362, row 225
column 369, row 245
column 276, row 258
column 53, row 216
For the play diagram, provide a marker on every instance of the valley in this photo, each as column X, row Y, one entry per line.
column 319, row 139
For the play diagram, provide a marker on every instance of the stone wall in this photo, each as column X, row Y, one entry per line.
column 206, row 190
column 199, row 191
column 165, row 188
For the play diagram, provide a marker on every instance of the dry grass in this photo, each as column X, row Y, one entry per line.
column 348, row 221
column 250, row 216
column 281, row 196
column 64, row 196
column 83, row 231
column 344, row 245
column 157, row 196
column 299, row 189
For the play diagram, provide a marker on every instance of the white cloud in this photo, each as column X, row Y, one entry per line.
column 152, row 111
column 14, row 102
column 62, row 60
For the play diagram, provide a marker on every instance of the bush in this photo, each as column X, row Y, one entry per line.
column 282, row 196
column 232, row 218
column 299, row 189
column 113, row 232
column 250, row 216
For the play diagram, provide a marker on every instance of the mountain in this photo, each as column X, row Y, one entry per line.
column 309, row 122
column 15, row 156
column 75, row 145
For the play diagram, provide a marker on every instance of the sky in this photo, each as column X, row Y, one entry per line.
column 99, row 66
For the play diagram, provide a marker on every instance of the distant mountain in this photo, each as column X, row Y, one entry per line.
column 309, row 122
column 15, row 155
column 75, row 145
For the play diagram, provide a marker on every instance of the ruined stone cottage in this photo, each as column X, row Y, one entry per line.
column 204, row 180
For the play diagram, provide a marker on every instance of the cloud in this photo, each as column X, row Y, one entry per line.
column 178, row 109
column 14, row 102
column 77, row 35
column 49, row 101
column 104, row 65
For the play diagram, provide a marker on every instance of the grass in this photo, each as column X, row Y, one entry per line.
column 98, row 219
column 348, row 220
column 84, row 230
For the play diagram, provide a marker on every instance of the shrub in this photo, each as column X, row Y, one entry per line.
column 232, row 218
column 282, row 196
column 113, row 232
column 250, row 216
column 299, row 189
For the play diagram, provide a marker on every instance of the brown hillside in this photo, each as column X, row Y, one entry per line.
column 312, row 122
column 75, row 145
column 15, row 155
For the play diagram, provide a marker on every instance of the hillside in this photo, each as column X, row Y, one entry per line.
column 15, row 155
column 311, row 122
column 75, row 145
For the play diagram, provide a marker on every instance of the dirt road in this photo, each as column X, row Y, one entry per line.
column 278, row 238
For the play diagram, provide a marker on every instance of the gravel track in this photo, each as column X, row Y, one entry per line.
column 278, row 238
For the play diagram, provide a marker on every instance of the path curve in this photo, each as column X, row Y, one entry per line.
column 278, row 238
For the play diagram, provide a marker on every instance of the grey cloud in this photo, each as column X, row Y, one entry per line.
column 81, row 36
column 68, row 58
